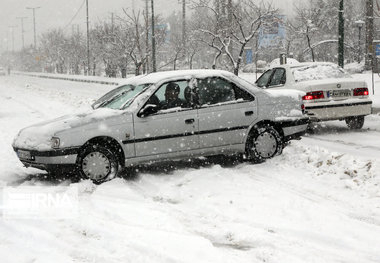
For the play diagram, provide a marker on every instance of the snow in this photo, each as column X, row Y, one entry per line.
column 317, row 202
column 289, row 61
column 295, row 94
column 318, row 72
column 355, row 67
column 38, row 136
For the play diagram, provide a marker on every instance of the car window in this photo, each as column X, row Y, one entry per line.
column 171, row 95
column 264, row 79
column 278, row 77
column 215, row 90
column 243, row 95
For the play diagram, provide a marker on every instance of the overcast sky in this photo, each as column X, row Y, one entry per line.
column 58, row 13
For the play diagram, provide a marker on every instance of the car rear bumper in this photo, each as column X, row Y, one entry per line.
column 335, row 111
column 46, row 160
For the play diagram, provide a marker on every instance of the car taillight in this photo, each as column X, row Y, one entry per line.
column 361, row 92
column 314, row 95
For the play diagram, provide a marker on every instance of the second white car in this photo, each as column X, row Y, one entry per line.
column 330, row 92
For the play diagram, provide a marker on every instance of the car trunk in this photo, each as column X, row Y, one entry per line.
column 334, row 89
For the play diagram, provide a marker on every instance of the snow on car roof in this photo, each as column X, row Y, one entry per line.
column 308, row 64
column 168, row 75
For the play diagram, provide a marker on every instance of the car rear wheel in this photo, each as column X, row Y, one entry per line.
column 98, row 163
column 355, row 123
column 263, row 143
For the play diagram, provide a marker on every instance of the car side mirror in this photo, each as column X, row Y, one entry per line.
column 149, row 109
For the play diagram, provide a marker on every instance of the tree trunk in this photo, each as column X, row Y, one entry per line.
column 309, row 44
column 191, row 61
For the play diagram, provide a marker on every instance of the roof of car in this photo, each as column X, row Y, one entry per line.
column 168, row 75
column 307, row 64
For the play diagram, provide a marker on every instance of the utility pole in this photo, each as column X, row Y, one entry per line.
column 22, row 30
column 147, row 36
column 359, row 24
column 13, row 37
column 183, row 23
column 369, row 35
column 341, row 35
column 34, row 23
column 88, row 41
column 112, row 22
column 154, row 69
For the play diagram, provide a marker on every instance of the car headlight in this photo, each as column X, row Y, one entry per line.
column 55, row 142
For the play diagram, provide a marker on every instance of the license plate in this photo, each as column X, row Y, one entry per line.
column 339, row 93
column 24, row 155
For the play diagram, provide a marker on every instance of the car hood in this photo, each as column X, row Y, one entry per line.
column 38, row 136
column 330, row 84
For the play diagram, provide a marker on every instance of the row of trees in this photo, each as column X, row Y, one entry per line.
column 218, row 32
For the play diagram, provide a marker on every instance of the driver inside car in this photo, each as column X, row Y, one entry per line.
column 171, row 97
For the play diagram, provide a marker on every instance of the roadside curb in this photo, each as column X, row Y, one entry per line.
column 70, row 78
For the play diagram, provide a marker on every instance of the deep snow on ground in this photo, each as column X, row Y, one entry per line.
column 317, row 202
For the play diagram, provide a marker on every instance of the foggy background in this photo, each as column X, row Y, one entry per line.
column 59, row 13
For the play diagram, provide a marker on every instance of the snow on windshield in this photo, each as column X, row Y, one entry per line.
column 121, row 97
column 317, row 72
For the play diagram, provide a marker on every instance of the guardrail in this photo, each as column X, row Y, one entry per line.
column 88, row 79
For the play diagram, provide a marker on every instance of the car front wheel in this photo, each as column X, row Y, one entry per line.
column 263, row 143
column 98, row 163
column 355, row 123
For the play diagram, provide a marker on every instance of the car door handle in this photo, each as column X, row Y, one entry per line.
column 248, row 113
column 189, row 121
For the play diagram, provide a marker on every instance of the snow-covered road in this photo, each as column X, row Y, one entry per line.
column 317, row 202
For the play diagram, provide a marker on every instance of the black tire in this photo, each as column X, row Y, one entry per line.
column 263, row 143
column 355, row 123
column 100, row 158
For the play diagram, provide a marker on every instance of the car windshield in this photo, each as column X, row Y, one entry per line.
column 317, row 72
column 121, row 97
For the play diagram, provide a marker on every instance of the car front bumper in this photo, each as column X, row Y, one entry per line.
column 338, row 110
column 45, row 160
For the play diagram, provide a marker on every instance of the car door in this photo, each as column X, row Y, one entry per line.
column 170, row 129
column 225, row 112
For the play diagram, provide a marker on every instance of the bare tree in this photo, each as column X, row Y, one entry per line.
column 53, row 47
column 238, row 27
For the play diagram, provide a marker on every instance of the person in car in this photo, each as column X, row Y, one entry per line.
column 171, row 97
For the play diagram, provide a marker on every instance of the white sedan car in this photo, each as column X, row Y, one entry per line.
column 166, row 115
column 330, row 92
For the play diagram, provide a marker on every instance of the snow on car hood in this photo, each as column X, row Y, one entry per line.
column 38, row 136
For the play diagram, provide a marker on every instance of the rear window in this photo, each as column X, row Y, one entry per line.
column 317, row 72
